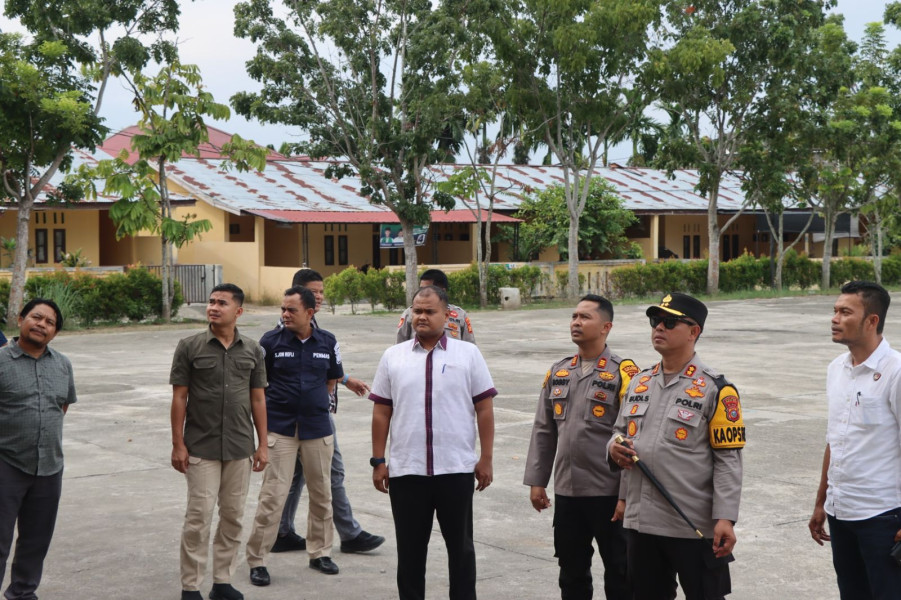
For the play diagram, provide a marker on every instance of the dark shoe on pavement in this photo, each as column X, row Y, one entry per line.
column 289, row 543
column 362, row 543
column 191, row 595
column 324, row 565
column 259, row 576
column 225, row 591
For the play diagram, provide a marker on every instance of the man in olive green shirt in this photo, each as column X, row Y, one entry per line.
column 218, row 378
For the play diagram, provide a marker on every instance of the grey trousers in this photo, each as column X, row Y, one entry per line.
column 32, row 502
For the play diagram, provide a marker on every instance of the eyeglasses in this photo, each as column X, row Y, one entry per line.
column 669, row 321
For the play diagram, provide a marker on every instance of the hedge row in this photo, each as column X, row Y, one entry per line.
column 135, row 295
column 380, row 286
column 745, row 273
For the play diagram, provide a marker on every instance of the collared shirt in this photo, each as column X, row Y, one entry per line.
column 218, row 425
column 33, row 392
column 864, row 435
column 297, row 399
column 433, row 394
column 457, row 325
column 577, row 407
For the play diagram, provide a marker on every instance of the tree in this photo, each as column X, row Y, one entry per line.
column 712, row 67
column 173, row 106
column 571, row 66
column 602, row 228
column 44, row 110
column 61, row 44
column 372, row 86
column 784, row 128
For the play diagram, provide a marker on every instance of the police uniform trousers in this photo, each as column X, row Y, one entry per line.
column 578, row 521
column 32, row 502
column 415, row 500
column 655, row 560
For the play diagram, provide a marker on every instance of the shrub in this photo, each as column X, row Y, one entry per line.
column 798, row 270
column 850, row 269
column 744, row 273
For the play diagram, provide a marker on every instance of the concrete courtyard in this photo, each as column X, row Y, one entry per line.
column 118, row 530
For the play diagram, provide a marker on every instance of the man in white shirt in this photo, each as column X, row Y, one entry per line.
column 431, row 392
column 860, row 486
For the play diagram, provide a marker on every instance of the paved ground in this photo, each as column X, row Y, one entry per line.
column 122, row 507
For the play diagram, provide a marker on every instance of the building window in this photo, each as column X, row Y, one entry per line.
column 686, row 246
column 59, row 244
column 329, row 249
column 342, row 249
column 697, row 245
column 40, row 245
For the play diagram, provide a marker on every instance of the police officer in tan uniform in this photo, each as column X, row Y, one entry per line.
column 684, row 421
column 457, row 324
column 577, row 408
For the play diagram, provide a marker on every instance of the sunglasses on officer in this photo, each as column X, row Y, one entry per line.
column 669, row 321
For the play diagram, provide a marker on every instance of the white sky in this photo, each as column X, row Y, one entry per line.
column 206, row 39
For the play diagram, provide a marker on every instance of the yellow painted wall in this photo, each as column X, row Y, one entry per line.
column 238, row 260
column 282, row 248
column 274, row 281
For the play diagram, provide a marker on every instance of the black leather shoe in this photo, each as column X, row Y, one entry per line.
column 225, row 591
column 289, row 543
column 324, row 565
column 362, row 543
column 259, row 576
column 191, row 595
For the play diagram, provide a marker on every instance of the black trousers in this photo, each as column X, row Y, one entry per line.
column 414, row 502
column 32, row 502
column 578, row 521
column 655, row 560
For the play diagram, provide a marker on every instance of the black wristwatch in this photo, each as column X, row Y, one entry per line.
column 374, row 462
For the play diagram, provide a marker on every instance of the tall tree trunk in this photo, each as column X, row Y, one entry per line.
column 713, row 234
column 410, row 270
column 166, row 250
column 780, row 253
column 829, row 218
column 20, row 261
column 572, row 284
column 487, row 258
column 877, row 246
column 480, row 261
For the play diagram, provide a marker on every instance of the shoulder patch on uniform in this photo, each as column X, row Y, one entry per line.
column 574, row 361
column 547, row 377
column 602, row 363
column 727, row 427
column 468, row 325
column 401, row 324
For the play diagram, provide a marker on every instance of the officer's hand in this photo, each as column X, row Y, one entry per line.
column 817, row 526
column 356, row 386
column 261, row 458
column 180, row 458
column 723, row 538
column 380, row 478
column 620, row 511
column 622, row 455
column 538, row 498
column 484, row 473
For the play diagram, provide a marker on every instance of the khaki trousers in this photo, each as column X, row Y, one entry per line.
column 208, row 481
column 316, row 458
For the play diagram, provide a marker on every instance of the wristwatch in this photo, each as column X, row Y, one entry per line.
column 374, row 462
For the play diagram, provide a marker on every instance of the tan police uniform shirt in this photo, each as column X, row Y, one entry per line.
column 457, row 325
column 689, row 432
column 574, row 421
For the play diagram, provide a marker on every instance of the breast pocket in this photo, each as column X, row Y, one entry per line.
column 634, row 413
column 870, row 410
column 559, row 401
column 599, row 408
column 682, row 425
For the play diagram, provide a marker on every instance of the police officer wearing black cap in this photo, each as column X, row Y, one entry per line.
column 683, row 419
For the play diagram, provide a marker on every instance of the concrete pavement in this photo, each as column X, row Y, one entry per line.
column 122, row 508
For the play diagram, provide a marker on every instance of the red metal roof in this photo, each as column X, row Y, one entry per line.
column 371, row 216
column 211, row 150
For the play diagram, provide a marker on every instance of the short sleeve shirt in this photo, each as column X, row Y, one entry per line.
column 33, row 392
column 433, row 396
column 218, row 425
column 297, row 399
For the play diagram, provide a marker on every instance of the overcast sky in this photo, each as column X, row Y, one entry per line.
column 206, row 39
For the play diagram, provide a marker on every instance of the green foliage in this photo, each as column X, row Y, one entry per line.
column 744, row 273
column 135, row 295
column 602, row 225
column 74, row 259
column 351, row 282
column 8, row 248
column 464, row 285
column 800, row 271
column 850, row 269
column 689, row 277
column 384, row 287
